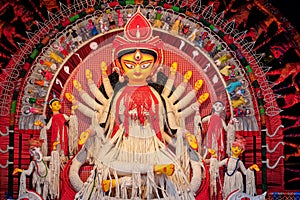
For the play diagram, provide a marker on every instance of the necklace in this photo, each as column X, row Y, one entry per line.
column 37, row 169
column 236, row 166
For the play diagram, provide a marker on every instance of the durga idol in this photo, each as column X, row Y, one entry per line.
column 137, row 140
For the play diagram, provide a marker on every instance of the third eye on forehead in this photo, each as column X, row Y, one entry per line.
column 143, row 51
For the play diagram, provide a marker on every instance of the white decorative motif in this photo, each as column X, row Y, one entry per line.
column 276, row 163
column 239, row 37
column 237, row 195
column 7, row 149
column 273, row 110
column 6, row 165
column 67, row 69
column 64, row 9
column 248, row 47
column 30, row 195
column 93, row 45
column 5, row 134
column 229, row 27
column 274, row 149
column 206, row 67
column 53, row 18
column 57, row 81
column 182, row 43
column 215, row 79
column 275, row 132
column 196, row 6
column 208, row 11
column 195, row 53
column 32, row 38
column 219, row 18
column 78, row 56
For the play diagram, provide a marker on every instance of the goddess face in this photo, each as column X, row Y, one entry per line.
column 236, row 151
column 137, row 66
column 35, row 152
column 218, row 107
column 55, row 106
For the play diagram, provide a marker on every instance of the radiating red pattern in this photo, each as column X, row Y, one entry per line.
column 21, row 156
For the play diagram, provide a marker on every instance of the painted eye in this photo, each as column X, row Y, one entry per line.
column 129, row 66
column 146, row 65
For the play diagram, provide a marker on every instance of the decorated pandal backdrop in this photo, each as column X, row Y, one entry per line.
column 150, row 100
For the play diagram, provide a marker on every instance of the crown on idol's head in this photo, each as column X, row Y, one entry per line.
column 35, row 142
column 53, row 99
column 138, row 35
column 240, row 142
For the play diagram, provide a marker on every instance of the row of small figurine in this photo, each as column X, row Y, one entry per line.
column 65, row 44
column 100, row 23
column 45, row 68
column 33, row 101
column 222, row 58
column 106, row 21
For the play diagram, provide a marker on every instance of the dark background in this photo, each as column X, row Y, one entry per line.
column 290, row 9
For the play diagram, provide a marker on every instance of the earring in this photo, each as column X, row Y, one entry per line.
column 154, row 77
column 121, row 77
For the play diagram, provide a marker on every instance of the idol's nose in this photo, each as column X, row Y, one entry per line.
column 137, row 69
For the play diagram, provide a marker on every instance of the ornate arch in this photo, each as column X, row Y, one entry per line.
column 24, row 70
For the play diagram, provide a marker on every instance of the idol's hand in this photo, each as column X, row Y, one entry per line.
column 173, row 69
column 212, row 152
column 39, row 123
column 84, row 136
column 77, row 85
column 169, row 84
column 88, row 74
column 254, row 167
column 105, row 80
column 55, row 145
column 103, row 68
column 192, row 141
column 16, row 170
column 70, row 97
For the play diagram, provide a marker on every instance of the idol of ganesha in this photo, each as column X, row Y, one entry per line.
column 137, row 141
